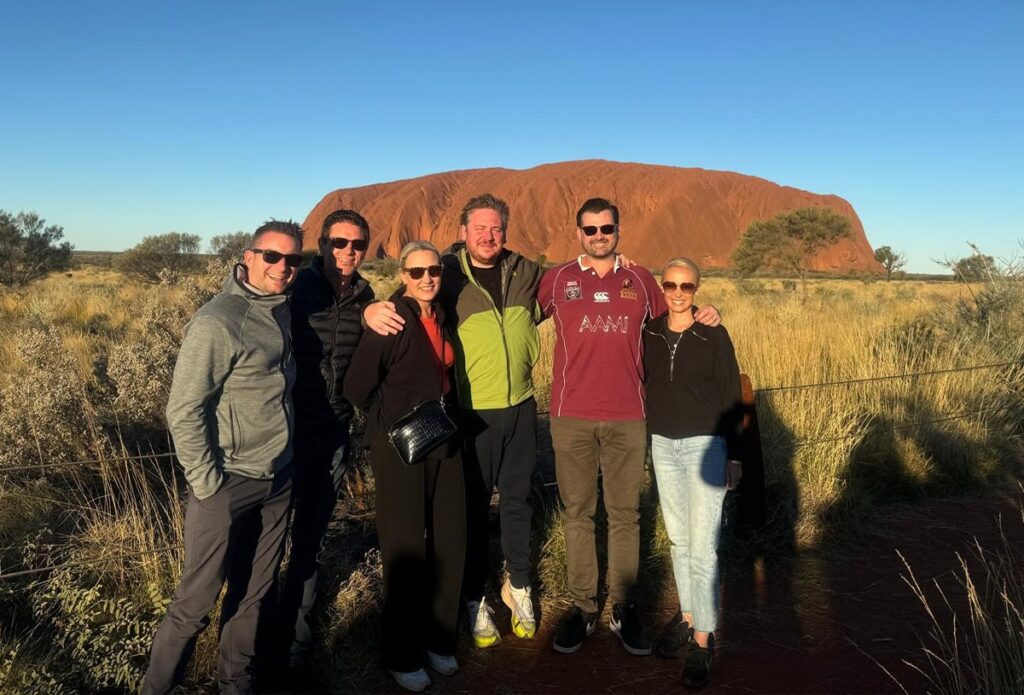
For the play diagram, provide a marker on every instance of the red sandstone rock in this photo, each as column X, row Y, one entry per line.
column 664, row 211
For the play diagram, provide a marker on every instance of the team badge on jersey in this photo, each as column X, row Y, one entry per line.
column 572, row 290
column 627, row 291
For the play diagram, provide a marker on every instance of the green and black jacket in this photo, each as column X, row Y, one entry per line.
column 496, row 346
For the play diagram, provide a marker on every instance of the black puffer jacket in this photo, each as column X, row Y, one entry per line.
column 325, row 332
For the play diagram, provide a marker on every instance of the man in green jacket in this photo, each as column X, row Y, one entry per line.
column 230, row 414
column 492, row 292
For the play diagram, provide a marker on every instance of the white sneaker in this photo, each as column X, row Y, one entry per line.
column 445, row 665
column 415, row 681
column 485, row 633
column 520, row 602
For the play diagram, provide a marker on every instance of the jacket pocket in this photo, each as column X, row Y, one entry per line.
column 236, row 433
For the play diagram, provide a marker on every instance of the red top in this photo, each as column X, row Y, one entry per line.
column 598, row 367
column 434, row 333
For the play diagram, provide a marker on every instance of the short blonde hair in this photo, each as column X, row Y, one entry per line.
column 414, row 246
column 682, row 262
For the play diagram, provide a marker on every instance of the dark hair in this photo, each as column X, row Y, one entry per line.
column 485, row 201
column 596, row 205
column 288, row 228
column 350, row 216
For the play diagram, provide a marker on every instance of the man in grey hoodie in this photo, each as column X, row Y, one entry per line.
column 230, row 414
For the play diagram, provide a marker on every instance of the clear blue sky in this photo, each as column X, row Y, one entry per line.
column 123, row 119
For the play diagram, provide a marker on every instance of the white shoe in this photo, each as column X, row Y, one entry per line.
column 445, row 665
column 485, row 633
column 415, row 681
column 520, row 602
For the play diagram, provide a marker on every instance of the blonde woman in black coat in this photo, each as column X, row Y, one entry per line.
column 420, row 508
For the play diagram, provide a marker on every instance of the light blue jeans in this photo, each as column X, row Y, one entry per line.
column 691, row 484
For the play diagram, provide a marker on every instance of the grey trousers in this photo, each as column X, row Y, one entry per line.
column 236, row 535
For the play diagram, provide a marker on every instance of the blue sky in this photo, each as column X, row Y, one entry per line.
column 123, row 119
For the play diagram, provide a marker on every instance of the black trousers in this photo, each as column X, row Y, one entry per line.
column 319, row 466
column 500, row 452
column 236, row 535
column 421, row 526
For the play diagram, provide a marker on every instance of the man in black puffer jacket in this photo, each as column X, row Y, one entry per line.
column 327, row 303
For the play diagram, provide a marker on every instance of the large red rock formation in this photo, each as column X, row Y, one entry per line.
column 664, row 211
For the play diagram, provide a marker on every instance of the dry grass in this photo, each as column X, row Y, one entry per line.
column 975, row 643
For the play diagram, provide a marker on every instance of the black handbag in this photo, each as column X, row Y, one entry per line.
column 424, row 428
column 421, row 430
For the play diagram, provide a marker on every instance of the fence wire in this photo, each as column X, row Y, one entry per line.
column 68, row 464
column 846, row 382
column 86, row 563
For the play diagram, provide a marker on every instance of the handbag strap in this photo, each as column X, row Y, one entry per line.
column 440, row 362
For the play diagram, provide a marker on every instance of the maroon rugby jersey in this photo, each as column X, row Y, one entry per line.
column 598, row 365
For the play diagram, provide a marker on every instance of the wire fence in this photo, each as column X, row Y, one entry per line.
column 773, row 389
column 889, row 377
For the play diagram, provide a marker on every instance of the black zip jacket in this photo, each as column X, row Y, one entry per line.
column 325, row 332
column 398, row 371
column 697, row 391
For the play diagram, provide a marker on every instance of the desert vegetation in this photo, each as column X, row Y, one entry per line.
column 88, row 359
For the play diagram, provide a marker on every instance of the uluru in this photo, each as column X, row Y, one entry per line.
column 664, row 211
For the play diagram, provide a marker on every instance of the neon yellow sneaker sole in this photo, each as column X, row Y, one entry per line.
column 518, row 628
column 485, row 641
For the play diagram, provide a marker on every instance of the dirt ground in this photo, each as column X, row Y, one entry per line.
column 815, row 622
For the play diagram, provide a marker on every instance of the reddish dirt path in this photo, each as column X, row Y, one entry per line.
column 810, row 624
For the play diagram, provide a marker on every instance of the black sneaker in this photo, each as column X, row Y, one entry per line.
column 697, row 667
column 573, row 629
column 626, row 624
column 674, row 638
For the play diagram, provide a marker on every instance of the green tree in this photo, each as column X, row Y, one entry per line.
column 789, row 241
column 175, row 252
column 230, row 247
column 29, row 249
column 890, row 260
column 974, row 268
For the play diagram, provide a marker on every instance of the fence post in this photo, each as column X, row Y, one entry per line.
column 750, row 512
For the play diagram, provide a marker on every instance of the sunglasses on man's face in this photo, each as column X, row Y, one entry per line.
column 270, row 257
column 606, row 229
column 339, row 242
column 685, row 287
column 416, row 273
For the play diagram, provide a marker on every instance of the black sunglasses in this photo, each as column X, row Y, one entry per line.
column 606, row 229
column 686, row 287
column 416, row 273
column 340, row 242
column 270, row 257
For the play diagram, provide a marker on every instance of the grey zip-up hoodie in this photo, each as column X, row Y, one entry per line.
column 230, row 406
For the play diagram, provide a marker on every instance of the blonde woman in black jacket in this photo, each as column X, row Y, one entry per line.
column 693, row 417
column 420, row 508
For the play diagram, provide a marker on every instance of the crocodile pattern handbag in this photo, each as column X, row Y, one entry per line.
column 421, row 430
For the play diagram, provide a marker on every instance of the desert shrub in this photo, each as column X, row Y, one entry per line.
column 46, row 415
column 105, row 639
column 155, row 256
